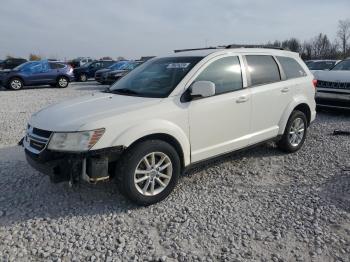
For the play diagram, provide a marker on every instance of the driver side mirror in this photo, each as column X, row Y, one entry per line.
column 202, row 89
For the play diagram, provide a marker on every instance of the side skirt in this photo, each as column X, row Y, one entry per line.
column 214, row 158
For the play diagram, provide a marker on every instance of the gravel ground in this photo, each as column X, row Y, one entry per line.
column 258, row 205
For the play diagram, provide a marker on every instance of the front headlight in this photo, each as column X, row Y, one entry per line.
column 75, row 141
column 118, row 75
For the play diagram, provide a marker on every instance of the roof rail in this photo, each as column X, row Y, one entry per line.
column 231, row 46
column 253, row 46
column 194, row 49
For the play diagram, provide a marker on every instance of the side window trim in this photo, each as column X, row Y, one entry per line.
column 280, row 68
column 249, row 80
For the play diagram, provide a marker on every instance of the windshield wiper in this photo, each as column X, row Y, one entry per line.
column 124, row 91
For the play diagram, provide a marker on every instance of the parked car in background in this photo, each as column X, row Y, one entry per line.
column 80, row 61
column 99, row 75
column 88, row 70
column 172, row 112
column 333, row 86
column 320, row 65
column 37, row 73
column 11, row 63
column 113, row 76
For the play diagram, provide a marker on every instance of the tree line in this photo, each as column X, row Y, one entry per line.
column 320, row 46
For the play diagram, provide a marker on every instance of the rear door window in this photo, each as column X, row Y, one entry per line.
column 291, row 67
column 263, row 69
column 56, row 66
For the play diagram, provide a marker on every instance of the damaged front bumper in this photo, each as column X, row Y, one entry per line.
column 91, row 166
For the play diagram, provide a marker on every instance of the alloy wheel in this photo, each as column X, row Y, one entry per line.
column 296, row 132
column 62, row 82
column 83, row 78
column 16, row 84
column 153, row 174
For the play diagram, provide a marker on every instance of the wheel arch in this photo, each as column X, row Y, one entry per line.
column 166, row 138
column 157, row 129
column 62, row 75
column 303, row 107
column 297, row 104
column 16, row 76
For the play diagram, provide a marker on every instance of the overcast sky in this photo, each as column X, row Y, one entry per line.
column 131, row 28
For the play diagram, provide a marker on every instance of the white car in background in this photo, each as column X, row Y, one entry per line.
column 333, row 86
column 172, row 112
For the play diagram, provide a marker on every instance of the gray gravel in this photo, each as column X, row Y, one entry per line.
column 258, row 205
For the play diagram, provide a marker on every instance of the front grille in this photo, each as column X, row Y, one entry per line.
column 42, row 133
column 36, row 139
column 333, row 85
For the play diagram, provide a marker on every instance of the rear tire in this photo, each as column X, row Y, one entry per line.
column 294, row 133
column 148, row 172
column 83, row 78
column 15, row 84
column 62, row 82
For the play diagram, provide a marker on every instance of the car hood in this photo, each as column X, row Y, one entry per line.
column 332, row 76
column 73, row 114
column 118, row 71
column 6, row 71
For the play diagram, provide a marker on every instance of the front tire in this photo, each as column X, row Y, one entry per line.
column 62, row 82
column 15, row 84
column 295, row 133
column 83, row 78
column 148, row 172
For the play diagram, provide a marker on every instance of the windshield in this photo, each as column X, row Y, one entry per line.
column 87, row 64
column 117, row 66
column 321, row 65
column 129, row 66
column 26, row 65
column 343, row 65
column 156, row 78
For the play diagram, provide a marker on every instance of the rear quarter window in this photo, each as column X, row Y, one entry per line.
column 56, row 66
column 262, row 69
column 291, row 67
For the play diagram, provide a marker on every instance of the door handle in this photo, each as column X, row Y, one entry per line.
column 285, row 90
column 242, row 99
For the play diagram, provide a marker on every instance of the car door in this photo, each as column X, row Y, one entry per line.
column 40, row 73
column 93, row 68
column 220, row 123
column 270, row 96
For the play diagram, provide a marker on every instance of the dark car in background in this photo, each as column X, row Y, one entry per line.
column 333, row 86
column 11, row 63
column 37, row 73
column 88, row 70
column 113, row 76
column 80, row 61
column 100, row 73
column 320, row 65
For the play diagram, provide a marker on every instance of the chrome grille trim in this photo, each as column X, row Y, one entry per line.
column 33, row 138
column 333, row 85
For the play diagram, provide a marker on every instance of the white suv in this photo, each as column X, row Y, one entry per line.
column 172, row 112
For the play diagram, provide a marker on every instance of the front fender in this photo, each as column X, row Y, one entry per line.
column 134, row 133
column 297, row 100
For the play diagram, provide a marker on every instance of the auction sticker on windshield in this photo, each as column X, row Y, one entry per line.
column 177, row 65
